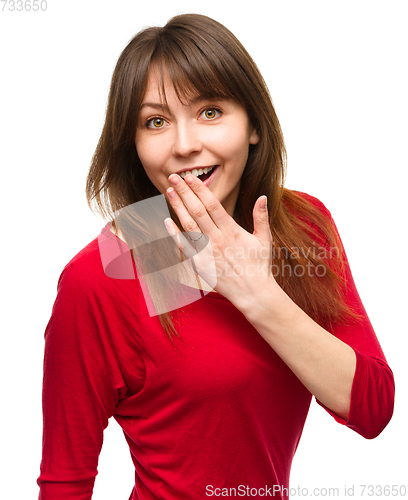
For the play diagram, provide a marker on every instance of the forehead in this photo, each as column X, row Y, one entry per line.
column 160, row 88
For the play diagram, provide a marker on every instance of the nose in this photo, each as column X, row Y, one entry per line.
column 186, row 141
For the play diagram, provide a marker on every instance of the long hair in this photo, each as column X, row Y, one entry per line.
column 204, row 58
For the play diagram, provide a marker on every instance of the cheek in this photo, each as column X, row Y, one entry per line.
column 235, row 146
column 150, row 155
column 152, row 159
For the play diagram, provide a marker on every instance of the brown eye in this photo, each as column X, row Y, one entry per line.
column 155, row 123
column 211, row 113
column 158, row 122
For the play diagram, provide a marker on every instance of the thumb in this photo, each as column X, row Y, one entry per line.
column 260, row 215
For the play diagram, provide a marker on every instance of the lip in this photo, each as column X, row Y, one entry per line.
column 208, row 181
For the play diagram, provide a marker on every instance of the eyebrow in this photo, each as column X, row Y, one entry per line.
column 158, row 105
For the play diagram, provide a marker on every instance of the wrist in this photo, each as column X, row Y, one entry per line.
column 271, row 308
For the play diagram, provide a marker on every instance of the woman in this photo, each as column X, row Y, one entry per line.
column 216, row 406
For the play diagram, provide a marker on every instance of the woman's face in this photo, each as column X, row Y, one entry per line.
column 202, row 134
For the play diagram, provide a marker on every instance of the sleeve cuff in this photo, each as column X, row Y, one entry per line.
column 372, row 397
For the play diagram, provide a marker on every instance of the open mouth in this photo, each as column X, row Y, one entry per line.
column 202, row 173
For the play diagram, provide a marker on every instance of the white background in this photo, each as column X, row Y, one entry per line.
column 338, row 78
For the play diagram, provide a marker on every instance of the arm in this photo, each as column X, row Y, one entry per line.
column 345, row 368
column 79, row 392
column 323, row 363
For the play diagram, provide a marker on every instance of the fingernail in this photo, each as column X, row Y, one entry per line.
column 169, row 226
column 262, row 203
column 174, row 179
column 171, row 193
column 189, row 179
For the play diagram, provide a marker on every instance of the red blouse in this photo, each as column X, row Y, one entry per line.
column 218, row 409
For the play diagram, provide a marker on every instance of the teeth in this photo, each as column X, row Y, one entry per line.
column 183, row 174
column 196, row 172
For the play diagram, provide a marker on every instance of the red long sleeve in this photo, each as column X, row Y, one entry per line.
column 372, row 397
column 197, row 415
column 82, row 381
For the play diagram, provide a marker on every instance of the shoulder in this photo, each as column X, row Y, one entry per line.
column 92, row 306
column 85, row 267
column 311, row 200
column 100, row 267
column 309, row 214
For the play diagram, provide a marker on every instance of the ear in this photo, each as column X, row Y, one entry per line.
column 254, row 137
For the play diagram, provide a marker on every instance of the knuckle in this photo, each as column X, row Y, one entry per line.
column 190, row 225
column 212, row 206
column 198, row 211
column 182, row 189
column 198, row 188
column 177, row 204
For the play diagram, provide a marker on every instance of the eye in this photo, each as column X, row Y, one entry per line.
column 211, row 113
column 155, row 123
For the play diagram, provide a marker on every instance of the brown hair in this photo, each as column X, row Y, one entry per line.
column 203, row 57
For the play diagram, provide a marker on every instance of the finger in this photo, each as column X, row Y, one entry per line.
column 208, row 272
column 216, row 212
column 197, row 238
column 187, row 221
column 190, row 210
column 260, row 216
column 179, row 239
